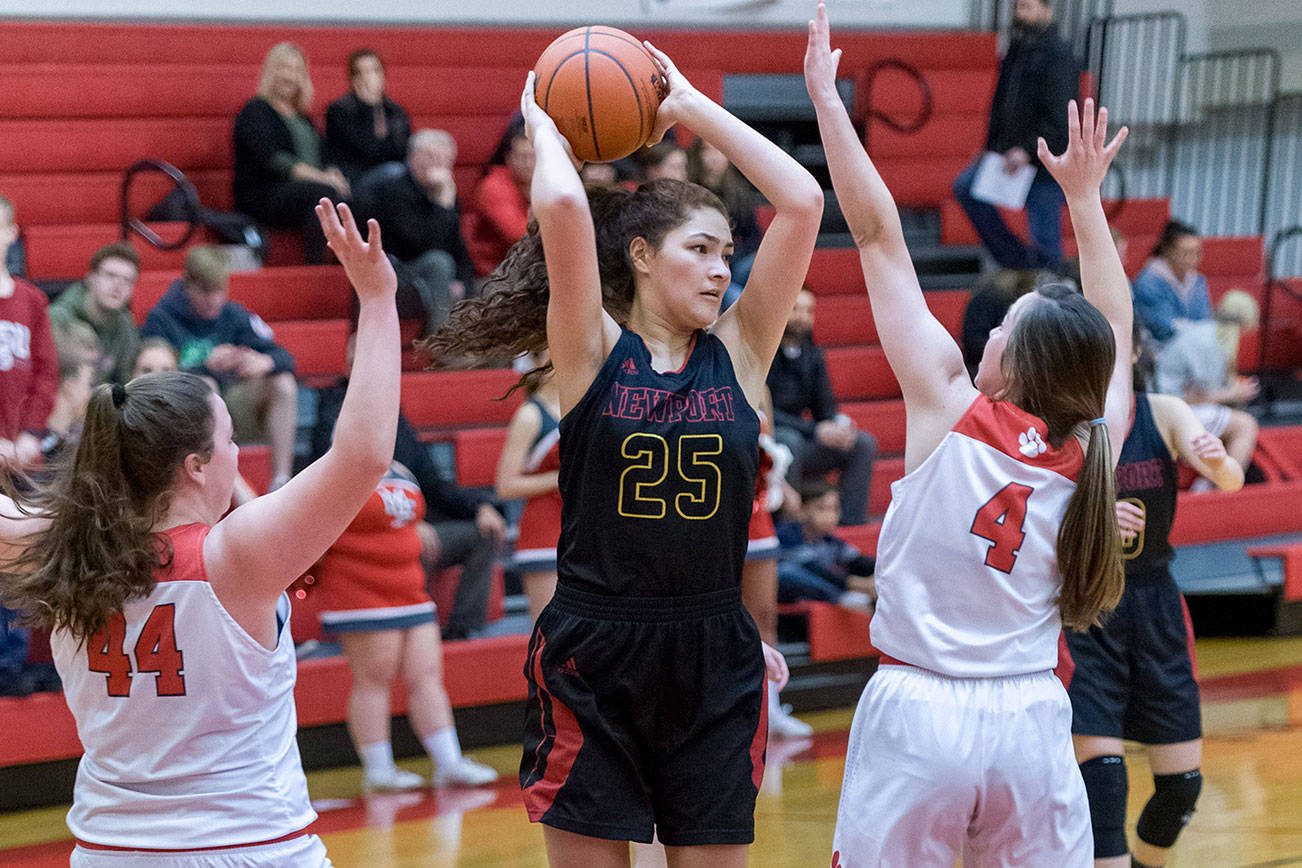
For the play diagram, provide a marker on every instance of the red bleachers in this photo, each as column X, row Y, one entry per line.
column 454, row 399
column 477, row 451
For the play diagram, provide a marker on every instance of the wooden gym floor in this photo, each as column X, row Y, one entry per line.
column 1249, row 816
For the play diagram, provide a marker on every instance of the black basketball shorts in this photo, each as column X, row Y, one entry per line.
column 645, row 714
column 1134, row 676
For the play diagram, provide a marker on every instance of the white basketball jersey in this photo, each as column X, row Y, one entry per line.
column 967, row 565
column 188, row 723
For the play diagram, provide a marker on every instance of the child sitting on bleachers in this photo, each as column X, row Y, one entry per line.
column 815, row 564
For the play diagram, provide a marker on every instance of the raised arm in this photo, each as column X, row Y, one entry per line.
column 752, row 328
column 579, row 332
column 1079, row 171
column 256, row 551
column 923, row 355
column 1204, row 451
column 513, row 482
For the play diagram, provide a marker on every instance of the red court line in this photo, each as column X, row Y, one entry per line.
column 1252, row 685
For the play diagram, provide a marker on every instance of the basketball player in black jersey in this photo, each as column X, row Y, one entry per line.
column 646, row 699
column 1134, row 675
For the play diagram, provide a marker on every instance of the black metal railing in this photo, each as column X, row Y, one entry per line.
column 181, row 188
column 870, row 114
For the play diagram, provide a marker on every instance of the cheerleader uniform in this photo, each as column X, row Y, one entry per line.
column 540, row 523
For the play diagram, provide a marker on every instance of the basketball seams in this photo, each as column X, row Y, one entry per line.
column 587, row 87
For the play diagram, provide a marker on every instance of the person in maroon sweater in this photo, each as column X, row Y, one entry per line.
column 29, row 370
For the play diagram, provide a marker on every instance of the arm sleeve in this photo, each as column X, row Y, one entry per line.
column 1151, row 306
column 45, row 368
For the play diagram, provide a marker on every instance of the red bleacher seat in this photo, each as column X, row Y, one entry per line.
column 452, row 399
column 945, row 135
column 318, row 347
column 922, row 182
column 953, row 91
column 885, row 420
column 255, row 466
column 860, row 372
column 834, row 270
column 112, row 144
column 477, row 451
column 885, row 471
column 844, row 320
column 303, row 292
column 62, row 251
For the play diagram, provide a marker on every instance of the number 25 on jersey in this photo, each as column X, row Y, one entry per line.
column 155, row 651
column 1000, row 521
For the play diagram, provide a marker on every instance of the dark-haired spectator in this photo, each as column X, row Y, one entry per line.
column 805, row 417
column 664, row 159
column 29, row 370
column 461, row 527
column 155, row 354
column 815, row 564
column 418, row 212
column 987, row 307
column 1169, row 291
column 1037, row 77
column 102, row 301
column 223, row 340
column 498, row 214
column 280, row 172
column 364, row 127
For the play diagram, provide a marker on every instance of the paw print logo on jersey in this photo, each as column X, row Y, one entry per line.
column 1031, row 443
column 398, row 505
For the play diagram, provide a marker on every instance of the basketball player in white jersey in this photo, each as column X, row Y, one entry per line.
column 170, row 623
column 1001, row 532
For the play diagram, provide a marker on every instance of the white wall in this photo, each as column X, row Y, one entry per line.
column 718, row 13
column 1197, row 15
column 1270, row 23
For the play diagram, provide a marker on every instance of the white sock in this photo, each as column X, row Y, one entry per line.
column 443, row 747
column 377, row 758
column 775, row 704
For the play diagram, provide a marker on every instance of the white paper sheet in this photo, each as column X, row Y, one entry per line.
column 992, row 184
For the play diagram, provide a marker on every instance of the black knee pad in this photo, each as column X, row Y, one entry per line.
column 1170, row 808
column 1107, row 786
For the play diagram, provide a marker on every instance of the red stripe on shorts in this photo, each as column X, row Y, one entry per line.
column 1189, row 637
column 759, row 742
column 560, row 726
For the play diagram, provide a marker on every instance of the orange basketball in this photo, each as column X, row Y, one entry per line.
column 602, row 88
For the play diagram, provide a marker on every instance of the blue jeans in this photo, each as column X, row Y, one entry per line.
column 796, row 582
column 1043, row 215
column 13, row 653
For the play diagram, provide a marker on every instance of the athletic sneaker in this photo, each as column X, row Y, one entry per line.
column 783, row 725
column 394, row 779
column 465, row 772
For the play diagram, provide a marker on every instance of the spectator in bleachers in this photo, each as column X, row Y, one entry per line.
column 529, row 470
column 1037, row 76
column 280, row 172
column 499, row 210
column 806, row 421
column 29, row 371
column 222, row 339
column 1169, row 291
column 77, row 351
column 709, row 167
column 461, row 527
column 664, row 159
column 364, row 127
column 156, row 354
column 102, row 301
column 374, row 600
column 815, row 563
column 418, row 210
column 987, row 307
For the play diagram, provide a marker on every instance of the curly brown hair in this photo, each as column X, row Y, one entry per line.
column 509, row 317
column 100, row 549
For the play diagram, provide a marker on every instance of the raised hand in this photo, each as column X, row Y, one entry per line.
column 1079, row 170
column 1209, row 448
column 678, row 90
column 538, row 123
column 368, row 269
column 820, row 60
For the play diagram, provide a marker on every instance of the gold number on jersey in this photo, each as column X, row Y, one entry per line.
column 648, row 469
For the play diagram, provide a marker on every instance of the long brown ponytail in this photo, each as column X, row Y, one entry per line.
column 1058, row 364
column 509, row 317
column 100, row 549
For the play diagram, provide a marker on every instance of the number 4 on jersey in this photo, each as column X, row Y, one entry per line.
column 155, row 651
column 1000, row 521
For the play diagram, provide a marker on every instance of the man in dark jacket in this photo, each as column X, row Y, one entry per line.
column 1037, row 77
column 418, row 213
column 223, row 340
column 805, row 418
column 461, row 527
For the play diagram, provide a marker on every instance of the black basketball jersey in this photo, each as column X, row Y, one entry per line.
column 1146, row 475
column 657, row 475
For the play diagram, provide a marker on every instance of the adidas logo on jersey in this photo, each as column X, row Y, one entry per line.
column 568, row 668
column 629, row 367
column 1030, row 443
